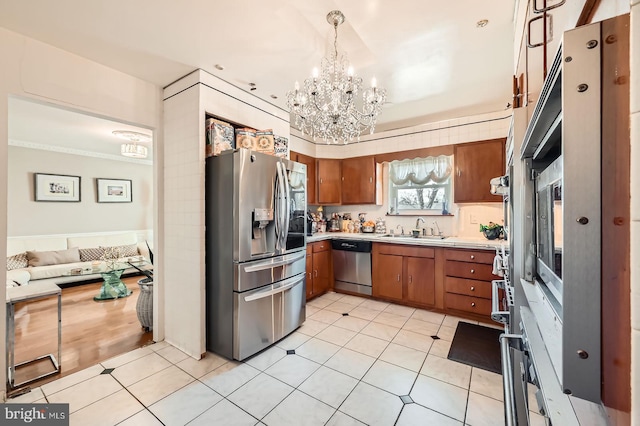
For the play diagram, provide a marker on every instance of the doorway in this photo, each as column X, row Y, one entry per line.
column 48, row 139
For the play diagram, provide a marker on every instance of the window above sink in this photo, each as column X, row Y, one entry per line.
column 420, row 186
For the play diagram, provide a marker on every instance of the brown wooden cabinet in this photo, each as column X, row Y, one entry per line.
column 319, row 271
column 467, row 281
column 310, row 162
column 404, row 273
column 421, row 280
column 329, row 172
column 359, row 181
column 475, row 164
column 388, row 281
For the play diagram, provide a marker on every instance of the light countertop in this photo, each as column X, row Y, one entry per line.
column 455, row 242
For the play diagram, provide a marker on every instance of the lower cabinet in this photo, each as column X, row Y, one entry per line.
column 319, row 271
column 467, row 281
column 454, row 281
column 404, row 274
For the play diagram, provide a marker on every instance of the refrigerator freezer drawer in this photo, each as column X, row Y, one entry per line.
column 267, row 314
column 252, row 275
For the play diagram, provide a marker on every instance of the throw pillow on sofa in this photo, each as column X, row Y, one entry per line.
column 124, row 251
column 43, row 258
column 91, row 254
column 17, row 261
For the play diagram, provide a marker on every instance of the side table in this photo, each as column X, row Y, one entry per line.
column 25, row 294
column 112, row 286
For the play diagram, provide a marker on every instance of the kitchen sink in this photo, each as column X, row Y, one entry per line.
column 409, row 237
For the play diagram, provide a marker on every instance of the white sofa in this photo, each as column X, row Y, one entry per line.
column 63, row 248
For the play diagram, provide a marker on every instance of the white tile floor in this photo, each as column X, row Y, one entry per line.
column 346, row 370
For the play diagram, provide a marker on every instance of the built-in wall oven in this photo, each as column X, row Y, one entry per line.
column 552, row 346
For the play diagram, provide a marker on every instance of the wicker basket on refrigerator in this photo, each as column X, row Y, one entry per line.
column 144, row 307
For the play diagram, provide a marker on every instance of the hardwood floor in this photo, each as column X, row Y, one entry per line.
column 91, row 331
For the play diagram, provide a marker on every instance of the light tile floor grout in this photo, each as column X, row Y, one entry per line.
column 320, row 305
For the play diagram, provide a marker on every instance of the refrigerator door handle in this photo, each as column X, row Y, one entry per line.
column 281, row 203
column 287, row 211
column 286, row 285
column 268, row 264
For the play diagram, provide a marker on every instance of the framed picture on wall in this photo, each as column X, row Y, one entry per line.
column 114, row 190
column 61, row 188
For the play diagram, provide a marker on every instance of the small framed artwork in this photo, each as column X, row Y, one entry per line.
column 114, row 190
column 61, row 188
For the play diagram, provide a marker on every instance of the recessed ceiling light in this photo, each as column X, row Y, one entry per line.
column 274, row 97
column 482, row 23
column 219, row 67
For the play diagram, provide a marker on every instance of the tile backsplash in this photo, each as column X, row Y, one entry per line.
column 464, row 221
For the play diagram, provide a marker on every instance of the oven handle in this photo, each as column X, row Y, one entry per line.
column 286, row 285
column 507, row 378
column 285, row 260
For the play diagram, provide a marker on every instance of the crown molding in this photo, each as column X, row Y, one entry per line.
column 73, row 151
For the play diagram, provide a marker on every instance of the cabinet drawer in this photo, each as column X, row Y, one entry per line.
column 321, row 246
column 405, row 250
column 461, row 302
column 475, row 256
column 473, row 288
column 474, row 271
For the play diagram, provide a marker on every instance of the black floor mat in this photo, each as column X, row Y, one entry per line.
column 477, row 346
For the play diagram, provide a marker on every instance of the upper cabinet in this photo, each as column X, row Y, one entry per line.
column 310, row 162
column 475, row 164
column 329, row 172
column 359, row 184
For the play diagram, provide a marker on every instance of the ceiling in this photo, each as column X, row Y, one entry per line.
column 430, row 56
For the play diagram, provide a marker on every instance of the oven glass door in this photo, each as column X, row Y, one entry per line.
column 549, row 228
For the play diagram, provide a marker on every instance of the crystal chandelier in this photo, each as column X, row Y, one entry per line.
column 326, row 106
column 132, row 149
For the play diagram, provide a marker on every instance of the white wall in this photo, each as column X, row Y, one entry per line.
column 466, row 218
column 446, row 132
column 35, row 70
column 635, row 212
column 186, row 103
column 28, row 217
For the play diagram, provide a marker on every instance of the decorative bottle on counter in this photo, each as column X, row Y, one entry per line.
column 381, row 227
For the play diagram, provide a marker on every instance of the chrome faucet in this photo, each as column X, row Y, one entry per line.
column 435, row 222
column 401, row 229
column 418, row 222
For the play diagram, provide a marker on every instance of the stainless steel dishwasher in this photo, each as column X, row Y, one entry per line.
column 352, row 265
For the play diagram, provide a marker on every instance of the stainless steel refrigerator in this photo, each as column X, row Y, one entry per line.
column 255, row 251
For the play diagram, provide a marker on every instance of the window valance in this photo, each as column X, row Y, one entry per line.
column 421, row 171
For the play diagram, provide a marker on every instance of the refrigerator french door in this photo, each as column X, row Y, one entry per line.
column 255, row 208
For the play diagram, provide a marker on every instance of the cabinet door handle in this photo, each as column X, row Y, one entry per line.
column 472, row 257
column 398, row 277
column 320, row 180
column 458, row 171
column 473, row 288
column 309, row 275
column 473, row 271
column 410, row 279
column 473, row 304
column 343, row 178
column 315, row 272
column 544, row 36
column 545, row 7
column 370, row 179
